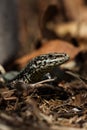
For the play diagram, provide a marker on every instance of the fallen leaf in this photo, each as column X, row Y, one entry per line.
column 50, row 46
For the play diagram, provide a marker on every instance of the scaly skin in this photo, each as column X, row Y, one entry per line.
column 39, row 66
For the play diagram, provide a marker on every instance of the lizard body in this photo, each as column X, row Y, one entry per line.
column 39, row 66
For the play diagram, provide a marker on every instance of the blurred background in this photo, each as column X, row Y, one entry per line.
column 31, row 27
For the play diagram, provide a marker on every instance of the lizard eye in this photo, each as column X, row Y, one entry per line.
column 50, row 56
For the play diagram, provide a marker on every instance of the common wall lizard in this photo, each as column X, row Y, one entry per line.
column 39, row 66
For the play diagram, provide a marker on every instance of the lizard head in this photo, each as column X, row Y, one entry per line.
column 50, row 60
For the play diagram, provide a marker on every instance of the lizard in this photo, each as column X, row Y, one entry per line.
column 39, row 66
